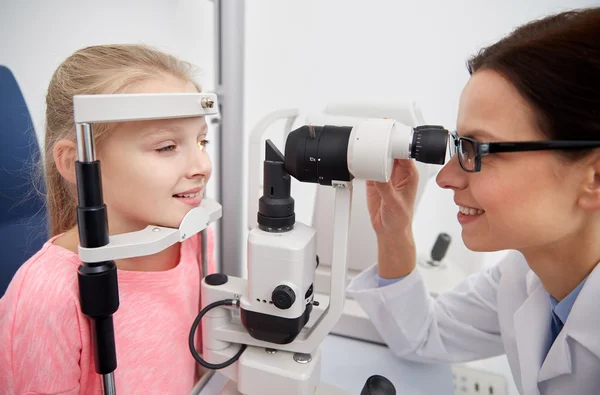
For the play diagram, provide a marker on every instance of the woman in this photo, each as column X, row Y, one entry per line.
column 539, row 89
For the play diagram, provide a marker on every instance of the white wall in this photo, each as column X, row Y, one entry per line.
column 306, row 53
column 37, row 35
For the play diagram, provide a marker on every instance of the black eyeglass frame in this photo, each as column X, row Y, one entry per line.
column 482, row 149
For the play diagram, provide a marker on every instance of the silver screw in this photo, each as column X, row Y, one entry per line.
column 270, row 350
column 302, row 358
column 207, row 102
column 156, row 230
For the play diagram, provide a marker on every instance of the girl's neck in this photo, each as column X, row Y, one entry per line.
column 164, row 260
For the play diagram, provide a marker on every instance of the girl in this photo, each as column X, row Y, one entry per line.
column 153, row 172
column 540, row 304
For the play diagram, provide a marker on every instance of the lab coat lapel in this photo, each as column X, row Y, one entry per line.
column 583, row 323
column 532, row 325
column 558, row 360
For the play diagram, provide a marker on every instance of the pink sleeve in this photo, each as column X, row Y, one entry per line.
column 40, row 337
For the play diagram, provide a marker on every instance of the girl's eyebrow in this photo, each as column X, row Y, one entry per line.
column 169, row 129
column 160, row 130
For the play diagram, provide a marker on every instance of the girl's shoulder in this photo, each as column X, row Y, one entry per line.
column 40, row 324
column 48, row 278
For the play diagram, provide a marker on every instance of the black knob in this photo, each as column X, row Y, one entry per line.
column 216, row 279
column 378, row 385
column 438, row 252
column 309, row 292
column 283, row 297
column 429, row 144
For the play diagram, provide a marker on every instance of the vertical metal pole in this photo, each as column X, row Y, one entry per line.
column 230, row 27
column 98, row 284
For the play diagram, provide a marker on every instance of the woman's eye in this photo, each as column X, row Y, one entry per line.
column 203, row 143
column 167, row 148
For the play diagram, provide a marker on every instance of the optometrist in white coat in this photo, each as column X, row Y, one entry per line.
column 541, row 304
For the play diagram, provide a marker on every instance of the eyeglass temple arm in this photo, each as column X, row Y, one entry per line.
column 536, row 145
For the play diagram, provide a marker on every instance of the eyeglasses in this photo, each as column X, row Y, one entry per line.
column 471, row 151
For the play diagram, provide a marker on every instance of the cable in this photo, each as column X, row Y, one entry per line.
column 197, row 357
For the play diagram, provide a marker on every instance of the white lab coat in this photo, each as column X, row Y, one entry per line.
column 503, row 310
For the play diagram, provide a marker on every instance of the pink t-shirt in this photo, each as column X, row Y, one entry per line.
column 45, row 340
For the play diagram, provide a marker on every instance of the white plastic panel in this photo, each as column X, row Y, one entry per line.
column 142, row 106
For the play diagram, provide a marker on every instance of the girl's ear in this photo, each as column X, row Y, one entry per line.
column 65, row 155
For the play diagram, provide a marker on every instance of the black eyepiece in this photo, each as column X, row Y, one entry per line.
column 318, row 154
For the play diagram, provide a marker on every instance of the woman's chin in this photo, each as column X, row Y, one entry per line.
column 477, row 243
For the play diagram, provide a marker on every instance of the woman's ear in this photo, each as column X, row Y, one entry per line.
column 589, row 198
column 65, row 155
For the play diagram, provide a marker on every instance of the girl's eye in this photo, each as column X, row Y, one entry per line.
column 167, row 148
column 203, row 143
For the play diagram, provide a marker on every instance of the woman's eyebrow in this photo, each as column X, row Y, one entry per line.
column 478, row 134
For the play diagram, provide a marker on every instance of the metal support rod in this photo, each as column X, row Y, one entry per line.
column 85, row 143
column 230, row 28
column 98, row 285
column 109, row 384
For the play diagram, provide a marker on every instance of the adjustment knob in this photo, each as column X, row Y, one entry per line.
column 429, row 144
column 283, row 297
column 378, row 385
column 440, row 247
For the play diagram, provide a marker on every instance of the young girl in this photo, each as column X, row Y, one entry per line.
column 153, row 172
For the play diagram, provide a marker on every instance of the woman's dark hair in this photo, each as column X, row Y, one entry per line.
column 554, row 63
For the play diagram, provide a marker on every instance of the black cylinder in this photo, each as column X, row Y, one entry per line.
column 93, row 226
column 276, row 206
column 378, row 385
column 99, row 298
column 92, row 216
column 89, row 184
column 98, row 285
column 429, row 144
column 438, row 252
column 105, row 355
column 318, row 154
column 98, row 289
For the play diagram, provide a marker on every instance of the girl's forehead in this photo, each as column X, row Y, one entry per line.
column 157, row 127
column 176, row 125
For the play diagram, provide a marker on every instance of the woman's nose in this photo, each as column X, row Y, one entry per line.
column 452, row 176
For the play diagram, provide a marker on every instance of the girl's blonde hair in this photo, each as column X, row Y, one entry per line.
column 103, row 69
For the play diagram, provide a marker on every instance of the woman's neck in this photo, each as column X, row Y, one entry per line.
column 563, row 265
column 164, row 260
